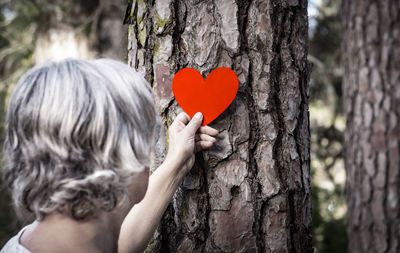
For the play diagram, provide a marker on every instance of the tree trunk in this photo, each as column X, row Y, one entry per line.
column 371, row 86
column 251, row 193
column 80, row 28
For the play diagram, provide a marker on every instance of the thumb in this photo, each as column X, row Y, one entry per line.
column 195, row 123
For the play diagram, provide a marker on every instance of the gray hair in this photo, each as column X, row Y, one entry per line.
column 77, row 132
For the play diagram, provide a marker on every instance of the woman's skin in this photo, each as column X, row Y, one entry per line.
column 127, row 228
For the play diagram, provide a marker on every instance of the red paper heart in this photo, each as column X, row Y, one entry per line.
column 210, row 97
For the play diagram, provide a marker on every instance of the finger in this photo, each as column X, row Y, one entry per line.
column 204, row 137
column 208, row 130
column 194, row 124
column 200, row 145
column 183, row 117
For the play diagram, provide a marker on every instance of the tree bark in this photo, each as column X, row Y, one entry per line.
column 251, row 193
column 371, row 89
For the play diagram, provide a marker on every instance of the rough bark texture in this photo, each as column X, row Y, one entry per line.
column 371, row 86
column 251, row 193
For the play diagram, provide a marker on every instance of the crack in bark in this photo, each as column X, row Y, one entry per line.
column 177, row 34
column 243, row 8
column 278, row 116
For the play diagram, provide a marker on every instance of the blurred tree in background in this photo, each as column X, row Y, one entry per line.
column 371, row 95
column 327, row 126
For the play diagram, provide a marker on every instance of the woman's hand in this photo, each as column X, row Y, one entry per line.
column 186, row 137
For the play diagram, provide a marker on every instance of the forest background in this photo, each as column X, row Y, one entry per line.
column 31, row 31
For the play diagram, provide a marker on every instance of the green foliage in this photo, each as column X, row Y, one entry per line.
column 18, row 35
column 18, row 30
column 327, row 125
column 8, row 221
column 325, row 55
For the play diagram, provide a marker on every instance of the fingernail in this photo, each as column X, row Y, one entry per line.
column 198, row 115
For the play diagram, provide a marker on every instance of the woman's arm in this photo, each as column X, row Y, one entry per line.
column 185, row 138
column 143, row 219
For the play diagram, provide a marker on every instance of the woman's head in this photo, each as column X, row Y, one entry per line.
column 77, row 132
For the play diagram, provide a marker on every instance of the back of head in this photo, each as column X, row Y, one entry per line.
column 77, row 131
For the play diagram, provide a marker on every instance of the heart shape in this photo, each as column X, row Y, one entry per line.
column 210, row 97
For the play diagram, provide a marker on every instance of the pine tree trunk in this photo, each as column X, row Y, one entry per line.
column 371, row 86
column 251, row 193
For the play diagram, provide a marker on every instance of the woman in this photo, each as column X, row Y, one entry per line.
column 78, row 146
